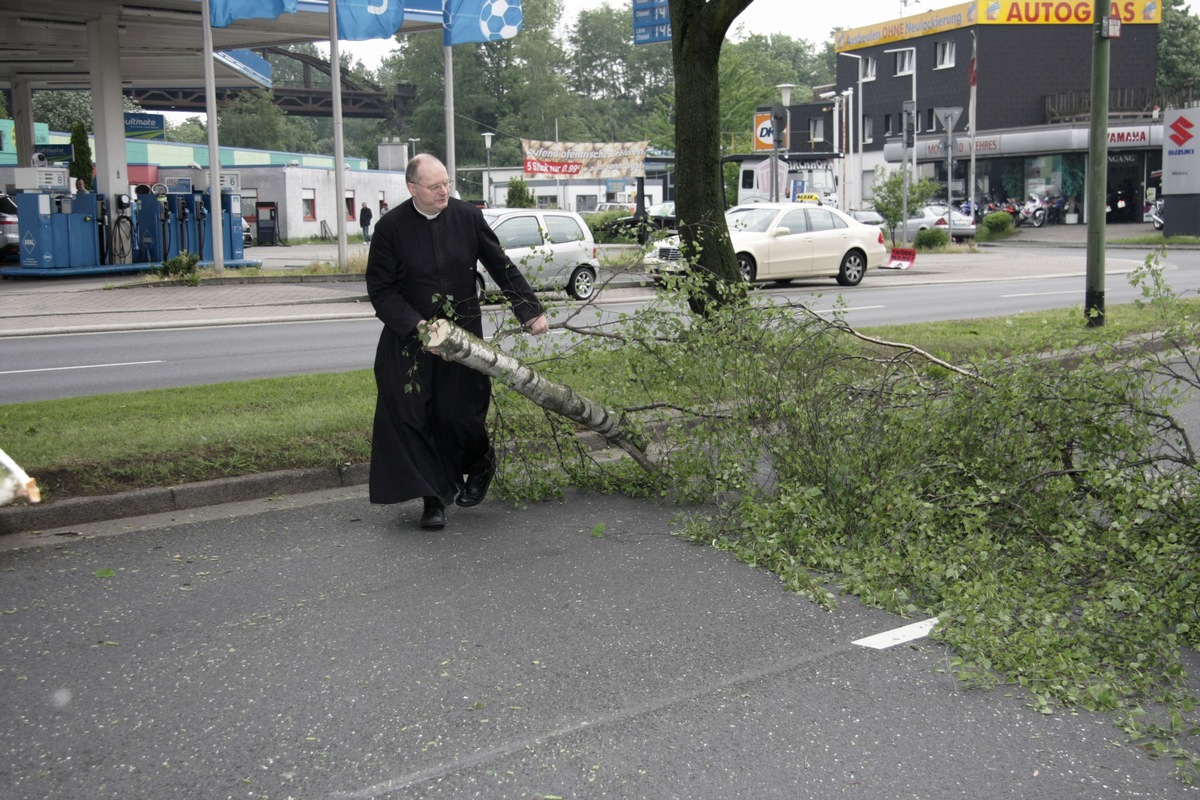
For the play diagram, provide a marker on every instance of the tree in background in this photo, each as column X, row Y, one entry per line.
column 192, row 130
column 888, row 195
column 81, row 161
column 1178, row 47
column 518, row 195
column 253, row 120
column 60, row 110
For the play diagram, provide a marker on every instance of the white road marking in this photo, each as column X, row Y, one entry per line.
column 846, row 308
column 882, row 641
column 81, row 366
column 1040, row 294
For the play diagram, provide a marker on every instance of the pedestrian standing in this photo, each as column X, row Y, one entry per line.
column 364, row 221
column 429, row 438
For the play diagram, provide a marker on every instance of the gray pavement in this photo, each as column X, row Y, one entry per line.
column 310, row 645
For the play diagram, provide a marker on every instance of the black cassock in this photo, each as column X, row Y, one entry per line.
column 430, row 415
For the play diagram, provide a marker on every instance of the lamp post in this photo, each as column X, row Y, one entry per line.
column 848, row 94
column 412, row 146
column 836, row 142
column 487, row 183
column 785, row 91
column 857, row 200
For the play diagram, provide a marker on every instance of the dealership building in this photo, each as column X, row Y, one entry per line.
column 1023, row 70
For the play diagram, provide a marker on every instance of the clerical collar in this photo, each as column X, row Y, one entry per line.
column 430, row 217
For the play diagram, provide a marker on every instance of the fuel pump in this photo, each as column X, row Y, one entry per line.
column 201, row 223
column 184, row 239
column 160, row 193
column 120, row 228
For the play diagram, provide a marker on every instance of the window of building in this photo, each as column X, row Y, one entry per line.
column 816, row 130
column 945, row 55
column 351, row 208
column 868, row 129
column 887, row 125
column 904, row 61
column 308, row 200
column 868, row 68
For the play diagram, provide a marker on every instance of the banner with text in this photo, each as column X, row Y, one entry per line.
column 592, row 160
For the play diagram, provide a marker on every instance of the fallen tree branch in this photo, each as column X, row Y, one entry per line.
column 455, row 344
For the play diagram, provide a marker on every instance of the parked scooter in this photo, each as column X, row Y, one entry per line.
column 1156, row 216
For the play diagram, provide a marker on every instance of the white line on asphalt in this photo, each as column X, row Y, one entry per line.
column 82, row 366
column 882, row 641
column 1040, row 294
column 846, row 308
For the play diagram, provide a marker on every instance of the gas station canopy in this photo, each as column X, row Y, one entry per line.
column 45, row 42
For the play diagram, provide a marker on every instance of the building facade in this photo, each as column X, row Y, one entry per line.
column 1031, row 65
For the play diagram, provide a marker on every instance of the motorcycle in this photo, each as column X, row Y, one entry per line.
column 1033, row 212
column 1156, row 216
column 1056, row 213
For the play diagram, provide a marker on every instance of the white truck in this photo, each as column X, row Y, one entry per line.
column 798, row 180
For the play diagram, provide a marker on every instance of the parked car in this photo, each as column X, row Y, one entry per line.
column 659, row 217
column 553, row 250
column 602, row 208
column 958, row 225
column 869, row 216
column 782, row 241
column 10, row 240
column 247, row 239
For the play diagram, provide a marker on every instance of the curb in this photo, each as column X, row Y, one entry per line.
column 139, row 502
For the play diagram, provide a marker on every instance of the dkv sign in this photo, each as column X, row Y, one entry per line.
column 764, row 132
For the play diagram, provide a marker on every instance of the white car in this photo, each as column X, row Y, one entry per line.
column 782, row 241
column 956, row 224
column 553, row 250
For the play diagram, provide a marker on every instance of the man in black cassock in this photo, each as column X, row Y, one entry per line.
column 430, row 437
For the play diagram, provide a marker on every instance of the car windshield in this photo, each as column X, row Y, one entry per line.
column 749, row 218
column 661, row 210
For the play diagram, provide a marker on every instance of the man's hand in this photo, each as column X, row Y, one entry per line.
column 538, row 325
column 423, row 332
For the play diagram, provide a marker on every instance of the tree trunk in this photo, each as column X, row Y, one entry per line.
column 455, row 344
column 698, row 29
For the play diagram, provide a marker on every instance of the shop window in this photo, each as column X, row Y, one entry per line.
column 308, row 200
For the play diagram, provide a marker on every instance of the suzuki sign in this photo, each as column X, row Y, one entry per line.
column 1181, row 152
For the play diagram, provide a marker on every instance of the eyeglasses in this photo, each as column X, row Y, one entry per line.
column 437, row 187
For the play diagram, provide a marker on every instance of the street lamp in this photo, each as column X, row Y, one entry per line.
column 412, row 146
column 857, row 183
column 777, row 137
column 837, row 142
column 487, row 183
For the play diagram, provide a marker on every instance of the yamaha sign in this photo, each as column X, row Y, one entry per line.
column 1181, row 152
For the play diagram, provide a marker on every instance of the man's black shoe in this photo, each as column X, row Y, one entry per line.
column 434, row 518
column 477, row 486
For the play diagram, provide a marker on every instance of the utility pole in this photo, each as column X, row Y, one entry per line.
column 1104, row 28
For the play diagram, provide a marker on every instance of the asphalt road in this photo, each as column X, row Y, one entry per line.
column 312, row 647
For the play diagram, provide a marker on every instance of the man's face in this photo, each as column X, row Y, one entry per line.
column 431, row 192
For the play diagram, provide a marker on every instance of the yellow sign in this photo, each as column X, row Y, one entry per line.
column 996, row 12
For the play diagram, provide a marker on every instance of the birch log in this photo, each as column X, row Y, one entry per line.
column 455, row 344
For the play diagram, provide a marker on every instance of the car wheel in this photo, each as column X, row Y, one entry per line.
column 582, row 284
column 854, row 267
column 746, row 267
column 480, row 289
